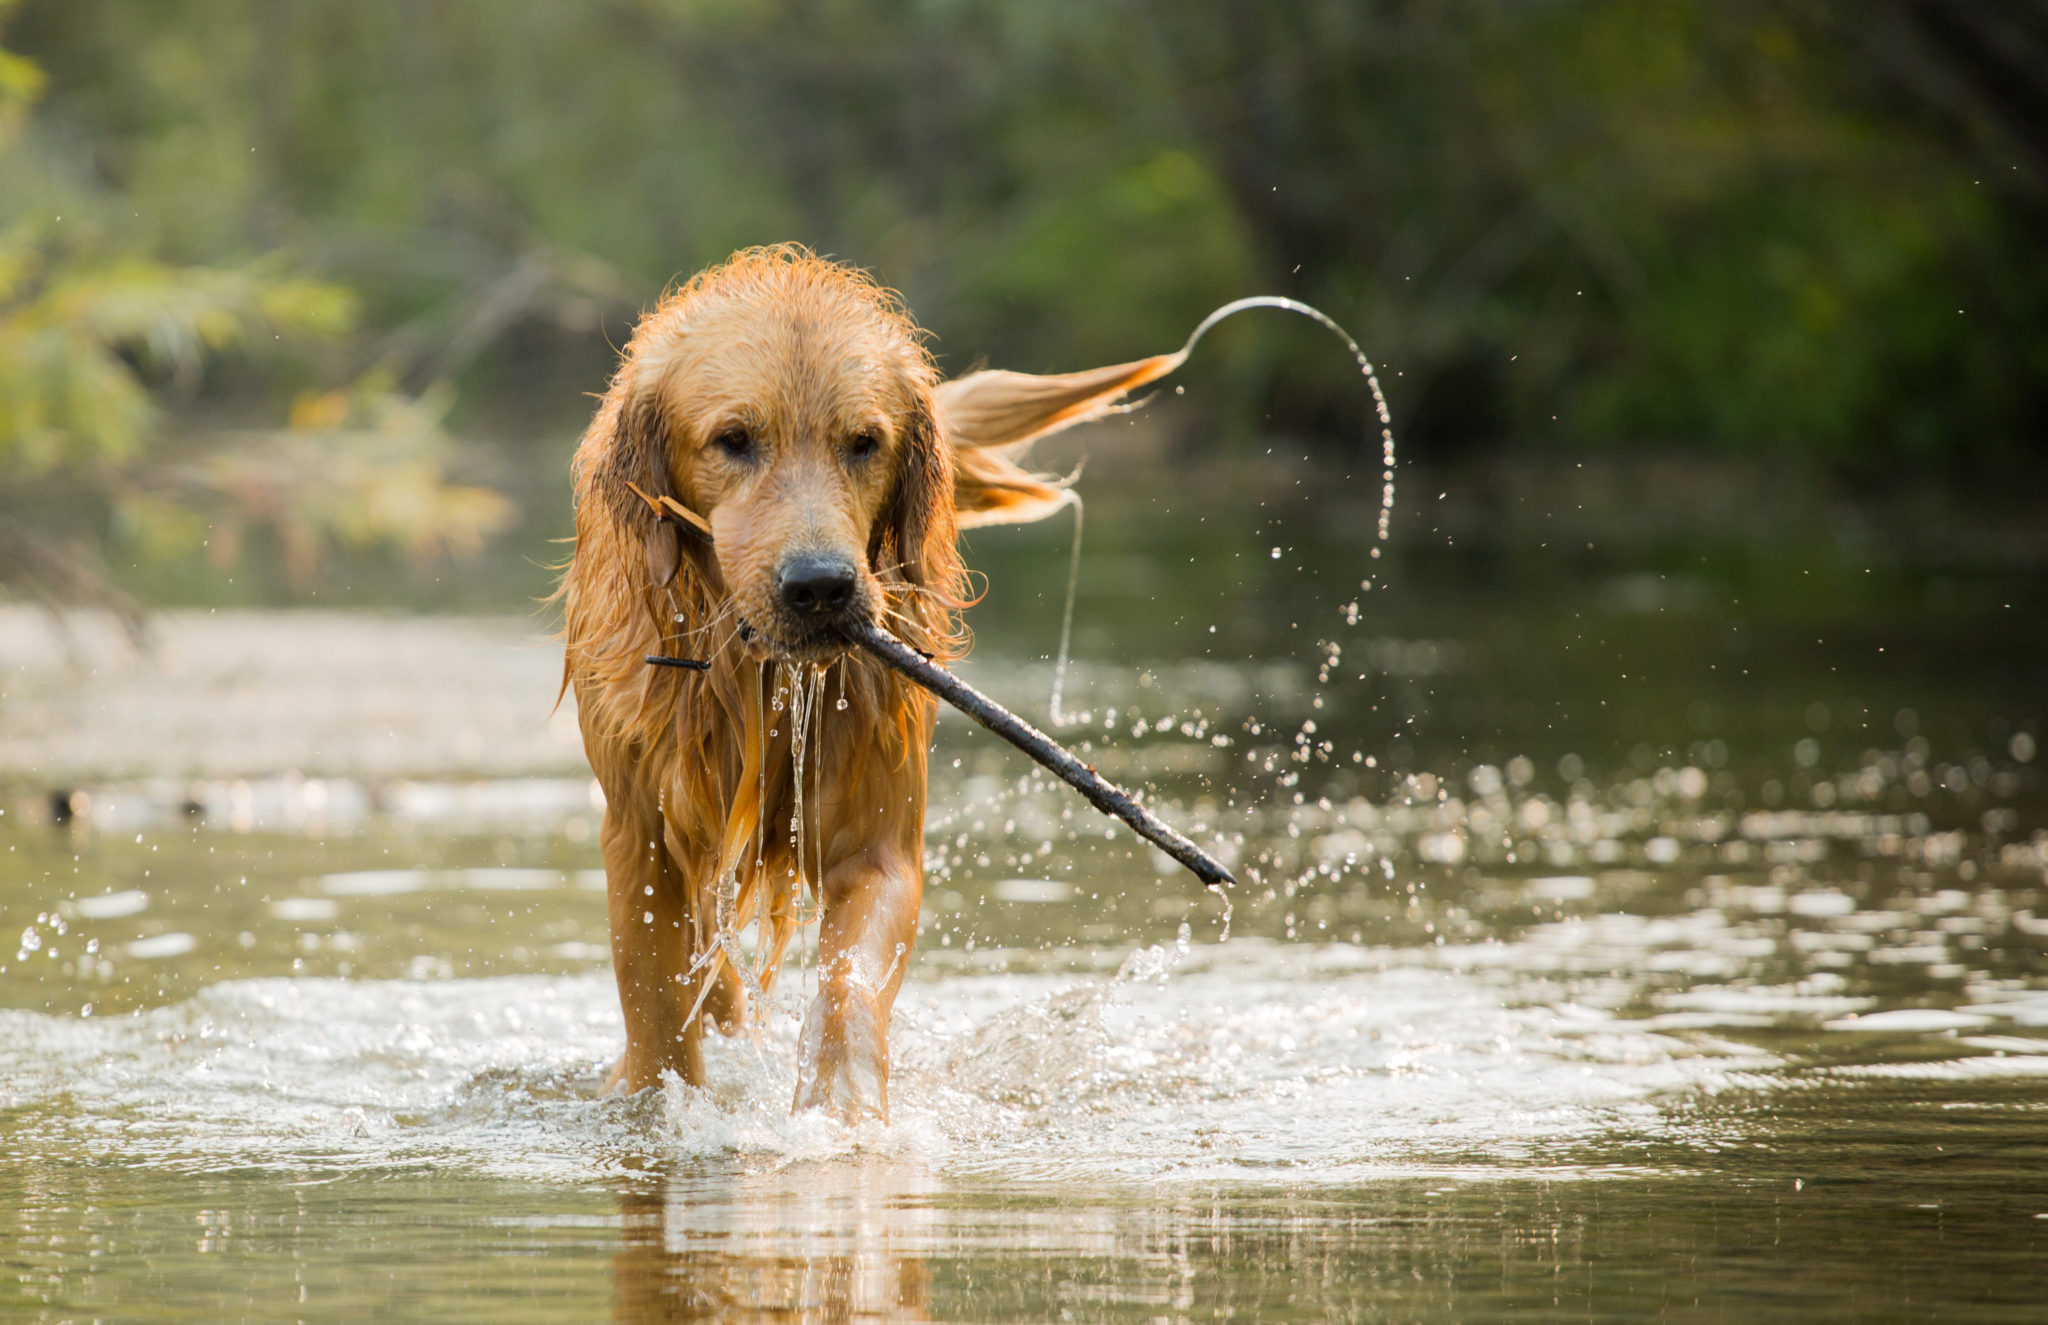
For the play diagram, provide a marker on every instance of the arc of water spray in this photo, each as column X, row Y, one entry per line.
column 1169, row 363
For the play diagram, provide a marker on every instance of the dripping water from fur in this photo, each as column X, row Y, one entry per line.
column 806, row 686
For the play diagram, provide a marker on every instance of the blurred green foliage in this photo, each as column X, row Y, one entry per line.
column 98, row 330
column 1805, row 228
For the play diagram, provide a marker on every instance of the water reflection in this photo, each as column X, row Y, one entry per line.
column 829, row 1242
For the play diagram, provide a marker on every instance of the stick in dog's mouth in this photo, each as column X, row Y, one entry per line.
column 1101, row 793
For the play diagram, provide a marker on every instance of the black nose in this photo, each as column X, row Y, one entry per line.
column 814, row 586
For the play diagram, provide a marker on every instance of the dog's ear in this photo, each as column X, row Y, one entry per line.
column 634, row 476
column 1004, row 410
column 989, row 488
column 991, row 417
column 920, row 519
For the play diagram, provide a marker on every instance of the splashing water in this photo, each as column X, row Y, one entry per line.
column 1171, row 1066
column 1372, row 378
column 1386, row 421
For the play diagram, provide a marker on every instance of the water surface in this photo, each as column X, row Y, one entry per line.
column 1600, row 950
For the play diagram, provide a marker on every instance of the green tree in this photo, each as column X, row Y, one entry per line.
column 1794, row 228
column 97, row 334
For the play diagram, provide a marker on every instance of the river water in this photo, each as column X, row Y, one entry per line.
column 1603, row 947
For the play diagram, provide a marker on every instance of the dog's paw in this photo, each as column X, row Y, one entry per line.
column 844, row 1065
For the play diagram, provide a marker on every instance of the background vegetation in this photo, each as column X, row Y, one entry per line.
column 262, row 264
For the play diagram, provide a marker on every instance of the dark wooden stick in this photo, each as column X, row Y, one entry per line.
column 1102, row 794
column 692, row 664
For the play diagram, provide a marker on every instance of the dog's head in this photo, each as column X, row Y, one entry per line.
column 789, row 402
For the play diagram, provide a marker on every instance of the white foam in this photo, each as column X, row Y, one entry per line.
column 2025, row 1010
column 1249, row 1062
column 162, row 945
column 2005, row 1044
column 1905, row 1020
column 112, row 906
column 305, row 909
column 1821, row 903
column 506, row 879
column 1031, row 890
column 391, row 883
column 373, row 883
column 1987, row 1067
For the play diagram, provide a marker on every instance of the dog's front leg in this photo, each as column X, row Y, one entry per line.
column 864, row 939
column 650, row 920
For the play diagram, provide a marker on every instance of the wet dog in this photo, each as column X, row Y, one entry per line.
column 775, row 459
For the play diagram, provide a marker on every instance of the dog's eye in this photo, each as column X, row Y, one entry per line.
column 862, row 445
column 735, row 442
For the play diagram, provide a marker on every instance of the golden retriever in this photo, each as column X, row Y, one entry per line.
column 776, row 457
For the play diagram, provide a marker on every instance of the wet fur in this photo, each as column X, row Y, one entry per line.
column 696, row 766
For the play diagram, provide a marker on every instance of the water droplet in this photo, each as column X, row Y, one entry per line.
column 841, row 705
column 1276, row 554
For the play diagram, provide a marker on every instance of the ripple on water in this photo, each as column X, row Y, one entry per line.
column 1248, row 1061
